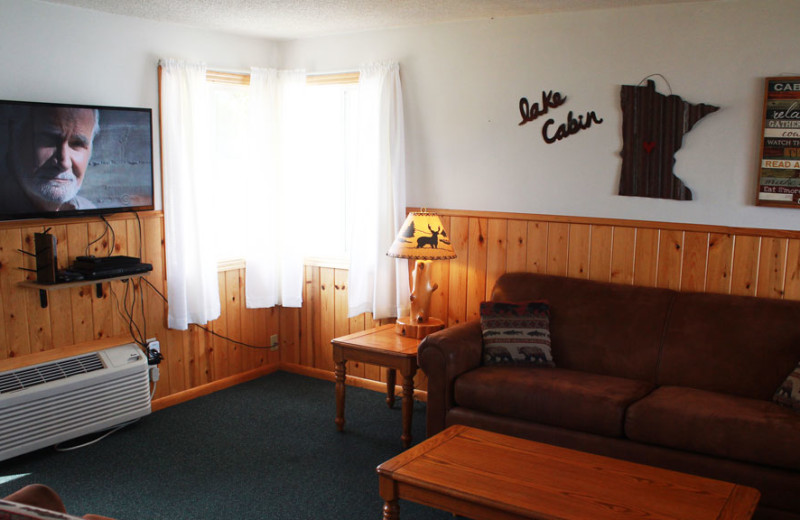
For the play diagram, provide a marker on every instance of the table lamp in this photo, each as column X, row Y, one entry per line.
column 424, row 239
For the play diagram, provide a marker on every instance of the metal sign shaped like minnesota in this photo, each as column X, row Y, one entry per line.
column 653, row 126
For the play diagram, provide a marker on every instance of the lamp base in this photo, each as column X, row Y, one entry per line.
column 405, row 326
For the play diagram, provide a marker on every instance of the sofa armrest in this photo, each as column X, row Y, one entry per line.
column 443, row 356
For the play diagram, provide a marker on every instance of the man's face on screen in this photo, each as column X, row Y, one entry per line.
column 54, row 154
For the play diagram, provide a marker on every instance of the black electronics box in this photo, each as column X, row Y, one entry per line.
column 93, row 267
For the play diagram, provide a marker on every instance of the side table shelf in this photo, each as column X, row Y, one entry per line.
column 45, row 287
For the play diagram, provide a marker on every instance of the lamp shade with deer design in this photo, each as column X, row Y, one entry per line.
column 423, row 238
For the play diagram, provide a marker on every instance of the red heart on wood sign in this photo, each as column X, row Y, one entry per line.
column 648, row 146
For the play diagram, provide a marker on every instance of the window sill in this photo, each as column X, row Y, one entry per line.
column 312, row 261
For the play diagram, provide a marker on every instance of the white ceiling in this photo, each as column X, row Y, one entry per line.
column 292, row 19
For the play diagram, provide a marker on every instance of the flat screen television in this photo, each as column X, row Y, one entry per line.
column 63, row 160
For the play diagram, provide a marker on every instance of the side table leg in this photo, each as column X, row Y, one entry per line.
column 391, row 380
column 408, row 409
column 340, row 371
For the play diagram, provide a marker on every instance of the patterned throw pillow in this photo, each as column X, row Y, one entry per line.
column 516, row 333
column 788, row 394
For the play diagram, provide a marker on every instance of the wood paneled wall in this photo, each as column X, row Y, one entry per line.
column 762, row 263
column 77, row 320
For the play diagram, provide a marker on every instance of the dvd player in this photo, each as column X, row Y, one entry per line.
column 104, row 262
column 93, row 268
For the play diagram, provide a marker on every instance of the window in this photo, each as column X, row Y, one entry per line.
column 330, row 130
column 229, row 101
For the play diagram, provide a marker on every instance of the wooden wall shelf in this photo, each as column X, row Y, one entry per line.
column 45, row 287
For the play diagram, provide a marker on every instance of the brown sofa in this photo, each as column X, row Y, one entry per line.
column 678, row 380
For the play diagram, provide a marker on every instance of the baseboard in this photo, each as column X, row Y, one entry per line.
column 360, row 382
column 209, row 388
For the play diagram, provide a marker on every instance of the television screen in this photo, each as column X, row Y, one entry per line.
column 68, row 160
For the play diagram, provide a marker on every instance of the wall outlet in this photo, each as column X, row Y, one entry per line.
column 153, row 344
column 154, row 356
column 273, row 342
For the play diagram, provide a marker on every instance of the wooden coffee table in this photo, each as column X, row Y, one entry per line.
column 488, row 476
column 384, row 347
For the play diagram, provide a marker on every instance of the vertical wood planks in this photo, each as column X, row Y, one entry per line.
column 763, row 263
column 720, row 260
column 645, row 263
column 670, row 256
column 440, row 274
column 496, row 251
column 792, row 279
column 80, row 297
column 623, row 255
column 772, row 268
column 517, row 246
column 579, row 237
column 324, row 352
column 233, row 314
column 745, row 265
column 39, row 332
column 457, row 284
column 536, row 254
column 308, row 315
column 60, row 303
column 695, row 259
column 557, row 248
column 476, row 266
column 15, row 315
column 600, row 248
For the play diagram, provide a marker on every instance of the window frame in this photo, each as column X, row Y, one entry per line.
column 312, row 79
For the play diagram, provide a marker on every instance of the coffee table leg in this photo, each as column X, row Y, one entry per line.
column 391, row 380
column 408, row 409
column 388, row 491
column 340, row 371
column 391, row 510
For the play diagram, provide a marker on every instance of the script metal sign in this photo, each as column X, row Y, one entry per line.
column 779, row 171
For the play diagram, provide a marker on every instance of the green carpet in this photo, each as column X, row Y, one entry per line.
column 266, row 449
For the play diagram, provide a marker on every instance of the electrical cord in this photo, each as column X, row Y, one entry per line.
column 226, row 338
column 139, row 335
column 113, row 235
column 96, row 240
column 139, row 222
column 115, row 429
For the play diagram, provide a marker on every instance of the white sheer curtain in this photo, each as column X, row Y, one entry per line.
column 378, row 283
column 274, row 273
column 192, row 282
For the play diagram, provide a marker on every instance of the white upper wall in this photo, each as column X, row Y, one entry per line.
column 463, row 81
column 462, row 84
column 54, row 53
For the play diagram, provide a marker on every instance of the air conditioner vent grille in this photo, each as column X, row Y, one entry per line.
column 28, row 377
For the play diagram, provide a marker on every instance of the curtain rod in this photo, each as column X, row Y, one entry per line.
column 247, row 72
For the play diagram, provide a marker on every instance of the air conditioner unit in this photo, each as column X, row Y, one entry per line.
column 46, row 404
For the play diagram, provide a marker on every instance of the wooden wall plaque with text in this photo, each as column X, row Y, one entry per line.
column 779, row 168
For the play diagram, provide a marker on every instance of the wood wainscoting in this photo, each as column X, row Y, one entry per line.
column 685, row 257
column 76, row 320
column 755, row 262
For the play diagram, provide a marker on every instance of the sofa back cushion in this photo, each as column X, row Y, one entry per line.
column 597, row 327
column 738, row 345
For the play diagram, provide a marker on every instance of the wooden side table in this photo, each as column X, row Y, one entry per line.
column 379, row 346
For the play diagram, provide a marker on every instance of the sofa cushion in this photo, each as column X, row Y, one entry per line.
column 717, row 424
column 788, row 394
column 516, row 333
column 736, row 345
column 571, row 399
column 603, row 328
